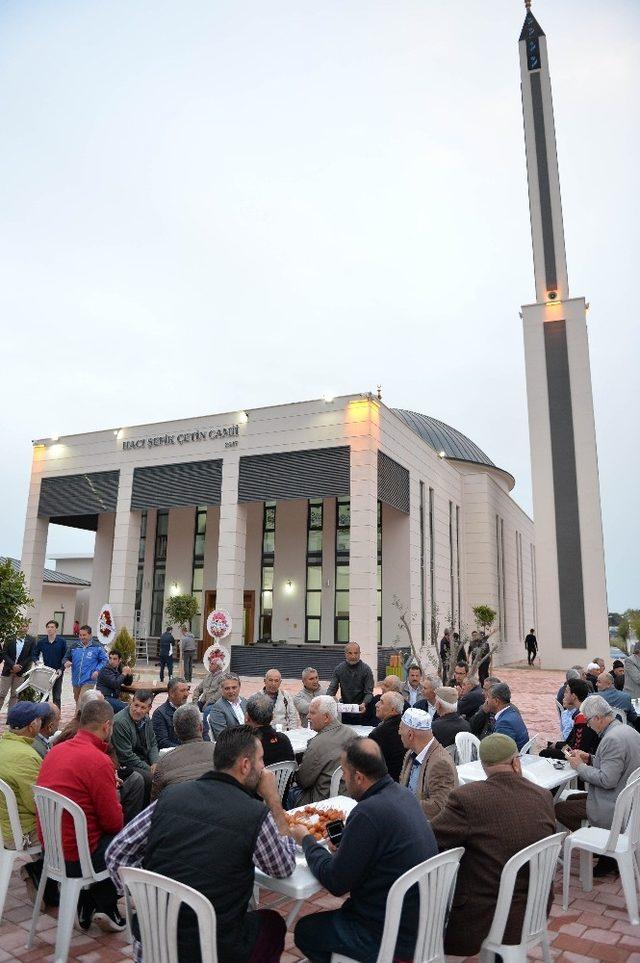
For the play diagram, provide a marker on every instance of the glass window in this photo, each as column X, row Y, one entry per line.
column 313, row 630
column 314, row 578
column 342, row 603
column 342, row 577
column 342, row 631
column 314, row 603
column 313, row 610
column 268, row 543
column 267, row 578
column 198, row 580
column 266, row 567
column 314, row 543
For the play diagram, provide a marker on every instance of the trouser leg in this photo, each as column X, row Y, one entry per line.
column 321, row 934
column 132, row 795
column 570, row 812
column 103, row 895
column 5, row 686
column 269, row 943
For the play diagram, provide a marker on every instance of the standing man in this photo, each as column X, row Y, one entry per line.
column 162, row 719
column 166, row 647
column 188, row 649
column 445, row 653
column 17, row 657
column 632, row 673
column 85, row 658
column 310, row 689
column 52, row 648
column 531, row 645
column 207, row 692
column 230, row 708
column 389, row 709
column 285, row 713
column 412, row 689
column 385, row 835
column 81, row 770
column 134, row 740
column 354, row 678
column 480, row 654
column 428, row 769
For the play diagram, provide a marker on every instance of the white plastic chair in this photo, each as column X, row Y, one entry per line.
column 158, row 901
column 528, row 746
column 560, row 709
column 634, row 776
column 41, row 679
column 336, row 779
column 283, row 772
column 436, row 880
column 621, row 843
column 542, row 858
column 51, row 806
column 9, row 856
column 468, row 747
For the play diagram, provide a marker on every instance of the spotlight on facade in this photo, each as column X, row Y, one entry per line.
column 442, row 454
column 288, row 586
column 117, row 432
column 243, row 417
column 54, row 437
column 175, row 588
column 327, row 396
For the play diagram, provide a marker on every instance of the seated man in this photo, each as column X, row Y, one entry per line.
column 428, row 769
column 111, row 678
column 428, row 701
column 192, row 757
column 310, row 689
column 285, row 713
column 386, row 734
column 460, row 673
column 20, row 765
column 412, row 689
column 230, row 708
column 580, row 736
column 245, row 832
column 448, row 722
column 615, row 698
column 482, row 721
column 471, row 697
column 50, row 722
column 390, row 683
column 593, row 671
column 80, row 769
column 508, row 720
column 385, row 835
column 276, row 746
column 322, row 757
column 493, row 819
column 162, row 718
column 605, row 775
column 354, row 679
column 135, row 741
column 617, row 672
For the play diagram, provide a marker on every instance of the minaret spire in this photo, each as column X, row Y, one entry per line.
column 570, row 578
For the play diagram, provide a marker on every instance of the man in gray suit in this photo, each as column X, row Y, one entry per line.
column 605, row 774
column 229, row 710
column 323, row 753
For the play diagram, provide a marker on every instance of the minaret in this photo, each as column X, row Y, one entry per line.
column 570, row 575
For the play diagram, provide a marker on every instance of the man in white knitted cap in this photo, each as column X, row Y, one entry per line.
column 428, row 769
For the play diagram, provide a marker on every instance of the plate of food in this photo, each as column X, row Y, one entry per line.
column 316, row 816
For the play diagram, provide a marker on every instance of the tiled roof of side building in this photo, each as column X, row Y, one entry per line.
column 52, row 577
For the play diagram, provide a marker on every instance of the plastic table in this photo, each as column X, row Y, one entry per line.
column 536, row 769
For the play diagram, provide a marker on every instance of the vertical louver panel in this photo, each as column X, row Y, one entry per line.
column 393, row 483
column 87, row 494
column 313, row 473
column 171, row 486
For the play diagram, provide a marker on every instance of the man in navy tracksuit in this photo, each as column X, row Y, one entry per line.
column 385, row 835
column 52, row 647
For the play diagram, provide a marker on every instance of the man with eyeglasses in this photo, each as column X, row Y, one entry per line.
column 604, row 774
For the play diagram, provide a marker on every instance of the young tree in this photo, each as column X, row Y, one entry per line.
column 126, row 646
column 180, row 609
column 14, row 600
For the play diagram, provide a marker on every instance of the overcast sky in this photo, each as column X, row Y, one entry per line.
column 210, row 205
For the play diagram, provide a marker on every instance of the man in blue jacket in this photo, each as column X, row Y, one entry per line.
column 617, row 699
column 508, row 720
column 162, row 718
column 385, row 835
column 52, row 648
column 85, row 658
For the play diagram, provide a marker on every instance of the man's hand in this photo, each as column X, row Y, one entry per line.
column 362, row 708
column 152, row 767
column 15, row 668
column 299, row 832
column 119, row 781
column 67, row 664
column 94, row 675
column 268, row 788
column 578, row 757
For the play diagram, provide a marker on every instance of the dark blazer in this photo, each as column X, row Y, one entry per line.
column 469, row 704
column 162, row 722
column 387, row 736
column 446, row 728
column 512, row 724
column 165, row 642
column 493, row 819
column 26, row 656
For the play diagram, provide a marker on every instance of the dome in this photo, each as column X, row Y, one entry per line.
column 444, row 438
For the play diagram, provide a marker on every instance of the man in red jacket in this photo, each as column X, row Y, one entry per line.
column 82, row 770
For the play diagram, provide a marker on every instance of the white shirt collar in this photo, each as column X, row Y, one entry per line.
column 498, row 714
column 422, row 755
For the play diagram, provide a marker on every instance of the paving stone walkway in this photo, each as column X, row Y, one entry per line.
column 596, row 926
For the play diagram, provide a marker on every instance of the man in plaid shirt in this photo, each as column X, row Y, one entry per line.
column 210, row 834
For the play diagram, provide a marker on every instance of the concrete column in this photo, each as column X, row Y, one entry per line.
column 363, row 583
column 34, row 547
column 101, row 570
column 231, row 550
column 124, row 560
column 398, row 578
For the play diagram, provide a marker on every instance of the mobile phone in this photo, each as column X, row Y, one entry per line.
column 566, row 752
column 334, row 831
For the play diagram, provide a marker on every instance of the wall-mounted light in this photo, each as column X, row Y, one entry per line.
column 243, row 417
column 39, row 442
column 288, row 586
column 175, row 588
column 328, row 397
column 442, row 454
column 117, row 432
column 54, row 437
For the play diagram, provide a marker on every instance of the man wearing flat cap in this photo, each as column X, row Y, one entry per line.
column 428, row 769
column 493, row 819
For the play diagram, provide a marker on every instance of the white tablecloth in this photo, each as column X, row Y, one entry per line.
column 301, row 736
column 537, row 769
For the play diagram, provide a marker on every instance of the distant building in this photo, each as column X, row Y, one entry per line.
column 65, row 595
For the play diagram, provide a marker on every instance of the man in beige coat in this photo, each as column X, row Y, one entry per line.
column 323, row 753
column 428, row 769
column 191, row 759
